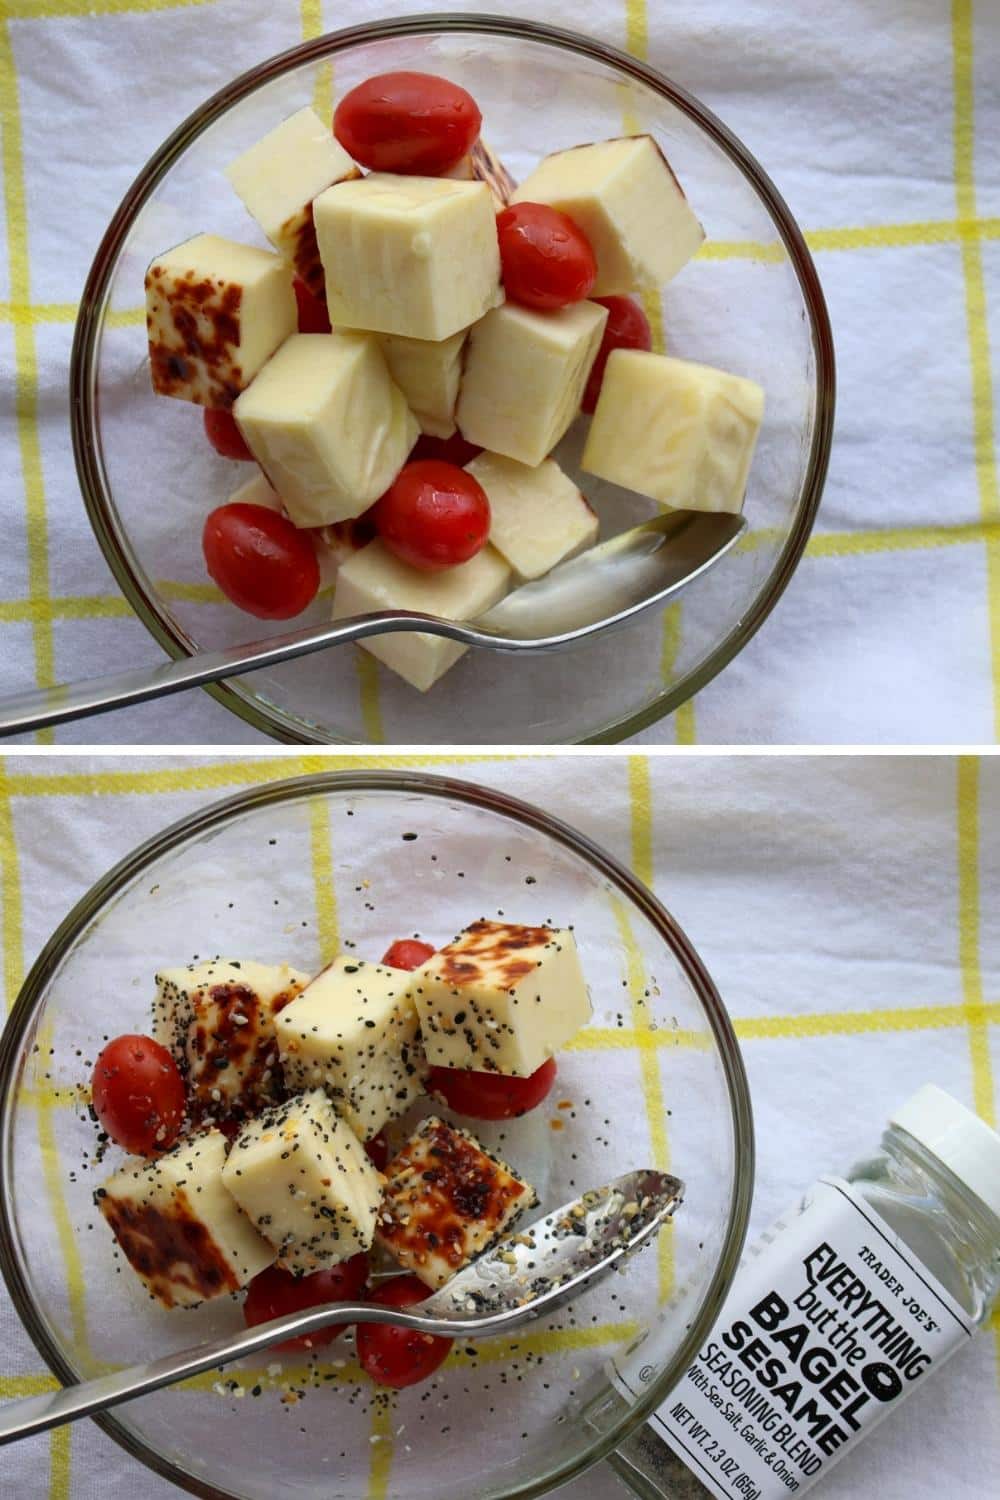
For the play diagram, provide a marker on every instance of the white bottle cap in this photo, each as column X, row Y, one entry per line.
column 959, row 1139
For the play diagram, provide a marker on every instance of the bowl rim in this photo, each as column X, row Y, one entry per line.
column 408, row 783
column 283, row 724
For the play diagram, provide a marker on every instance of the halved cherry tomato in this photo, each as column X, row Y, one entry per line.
column 138, row 1094
column 627, row 328
column 224, row 435
column 275, row 1292
column 492, row 1096
column 546, row 260
column 399, row 1356
column 313, row 316
column 378, row 1151
column 434, row 516
column 414, row 123
column 453, row 450
column 407, row 953
column 260, row 560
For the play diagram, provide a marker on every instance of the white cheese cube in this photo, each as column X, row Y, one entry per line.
column 179, row 1228
column 682, row 433
column 428, row 373
column 354, row 1032
column 411, row 255
column 538, row 516
column 215, row 311
column 334, row 544
column 626, row 199
column 525, row 374
column 375, row 579
column 328, row 425
column 481, row 164
column 501, row 998
column 217, row 1019
column 304, row 1179
column 446, row 1200
column 278, row 179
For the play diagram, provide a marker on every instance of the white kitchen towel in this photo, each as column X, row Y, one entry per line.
column 842, row 906
column 877, row 121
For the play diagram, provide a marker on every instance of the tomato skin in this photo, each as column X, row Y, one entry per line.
column 313, row 316
column 275, row 1292
column 378, row 1151
column 492, row 1096
column 407, row 953
column 434, row 516
column 260, row 561
column 399, row 1356
column 627, row 328
column 546, row 259
column 453, row 450
column 138, row 1094
column 224, row 435
column 412, row 123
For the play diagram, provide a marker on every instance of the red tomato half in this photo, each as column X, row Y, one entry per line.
column 453, row 450
column 399, row 1356
column 492, row 1096
column 546, row 261
column 627, row 328
column 275, row 1292
column 414, row 123
column 260, row 561
column 434, row 516
column 138, row 1095
column 224, row 435
column 407, row 953
column 313, row 316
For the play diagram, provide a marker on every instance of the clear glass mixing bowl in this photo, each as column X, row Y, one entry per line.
column 751, row 304
column 291, row 872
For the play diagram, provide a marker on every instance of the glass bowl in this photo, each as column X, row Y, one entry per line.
column 292, row 872
column 751, row 303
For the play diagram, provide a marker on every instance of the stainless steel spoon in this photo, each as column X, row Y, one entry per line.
column 525, row 1275
column 600, row 590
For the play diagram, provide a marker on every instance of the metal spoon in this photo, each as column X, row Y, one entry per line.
column 523, row 1276
column 600, row 590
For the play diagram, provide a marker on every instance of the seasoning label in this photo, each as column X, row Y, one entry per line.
column 829, row 1323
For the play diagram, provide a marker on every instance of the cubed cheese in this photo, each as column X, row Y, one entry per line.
column 278, row 179
column 353, row 1031
column 481, row 164
column 428, row 374
column 626, row 199
column 501, row 998
column 179, row 1228
column 446, row 1200
column 304, row 1179
column 682, row 433
column 215, row 311
column 525, row 373
column 538, row 516
column 375, row 579
column 328, row 425
column 410, row 255
column 217, row 1019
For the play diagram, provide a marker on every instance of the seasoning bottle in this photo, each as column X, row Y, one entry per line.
column 853, row 1297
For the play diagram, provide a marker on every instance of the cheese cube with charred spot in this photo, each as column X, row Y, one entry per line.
column 428, row 373
column 682, row 433
column 179, row 1228
column 481, row 164
column 278, row 179
column 538, row 517
column 328, row 425
column 217, row 1020
column 305, row 1181
column 416, row 256
column 446, row 1200
column 626, row 199
column 215, row 312
column 353, row 1031
column 525, row 373
column 501, row 998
